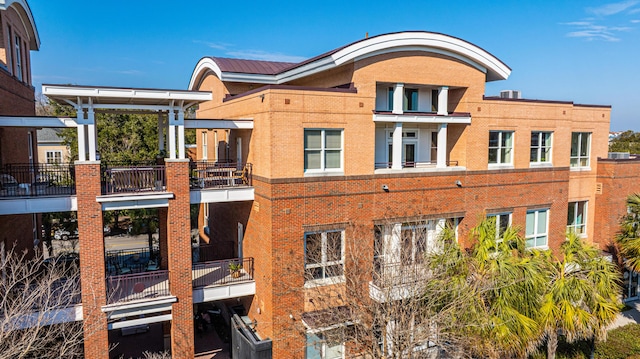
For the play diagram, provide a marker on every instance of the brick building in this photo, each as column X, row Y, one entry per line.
column 386, row 139
column 18, row 37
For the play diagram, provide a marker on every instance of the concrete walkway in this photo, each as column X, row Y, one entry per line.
column 628, row 316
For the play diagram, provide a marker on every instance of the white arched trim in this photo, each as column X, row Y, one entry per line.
column 390, row 43
column 23, row 10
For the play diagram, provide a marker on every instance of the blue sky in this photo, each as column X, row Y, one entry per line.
column 582, row 51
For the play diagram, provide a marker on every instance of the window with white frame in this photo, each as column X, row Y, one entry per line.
column 321, row 346
column 580, row 148
column 537, row 228
column 500, row 147
column 53, row 157
column 502, row 222
column 577, row 217
column 18, row 58
column 205, row 145
column 322, row 150
column 410, row 147
column 323, row 255
column 540, row 147
column 413, row 241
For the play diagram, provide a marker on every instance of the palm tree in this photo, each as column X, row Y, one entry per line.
column 504, row 283
column 582, row 296
column 629, row 237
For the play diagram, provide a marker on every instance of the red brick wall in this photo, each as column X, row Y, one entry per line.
column 290, row 204
column 179, row 258
column 92, row 259
column 619, row 178
column 16, row 98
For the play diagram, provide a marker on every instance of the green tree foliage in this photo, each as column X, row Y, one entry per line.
column 628, row 141
column 122, row 138
column 582, row 296
column 518, row 297
column 628, row 239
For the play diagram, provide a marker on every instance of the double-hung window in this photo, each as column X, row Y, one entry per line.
column 500, row 147
column 577, row 217
column 324, row 255
column 540, row 147
column 322, row 150
column 580, row 147
column 537, row 228
column 502, row 222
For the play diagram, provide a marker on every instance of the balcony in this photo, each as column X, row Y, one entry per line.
column 205, row 175
column 217, row 279
column 127, row 179
column 396, row 281
column 37, row 180
column 414, row 164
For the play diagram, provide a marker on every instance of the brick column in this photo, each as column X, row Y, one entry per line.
column 179, row 258
column 92, row 273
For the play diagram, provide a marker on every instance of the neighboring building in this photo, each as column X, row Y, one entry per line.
column 51, row 150
column 384, row 140
column 18, row 37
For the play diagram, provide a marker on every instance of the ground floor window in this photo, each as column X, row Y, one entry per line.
column 54, row 157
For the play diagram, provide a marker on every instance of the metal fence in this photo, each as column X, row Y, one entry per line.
column 38, row 179
column 131, row 179
column 206, row 174
column 130, row 287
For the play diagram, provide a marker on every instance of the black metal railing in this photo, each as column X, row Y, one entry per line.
column 132, row 260
column 132, row 178
column 140, row 286
column 38, row 179
column 205, row 174
column 222, row 272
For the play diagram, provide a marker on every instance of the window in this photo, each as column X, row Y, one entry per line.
column 54, row 157
column 537, row 228
column 390, row 99
column 410, row 102
column 18, row 58
column 500, row 147
column 413, row 242
column 540, row 147
column 580, row 143
column 576, row 217
column 205, row 145
column 502, row 222
column 319, row 347
column 324, row 255
column 322, row 150
column 409, row 147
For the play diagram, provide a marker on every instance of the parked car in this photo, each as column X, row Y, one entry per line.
column 65, row 234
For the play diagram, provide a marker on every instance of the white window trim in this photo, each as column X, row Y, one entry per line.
column 535, row 229
column 53, row 155
column 324, row 263
column 500, row 164
column 575, row 216
column 205, row 145
column 322, row 149
column 538, row 162
column 497, row 217
column 588, row 156
column 415, row 141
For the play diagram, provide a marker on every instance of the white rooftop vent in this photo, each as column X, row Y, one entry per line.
column 619, row 155
column 510, row 94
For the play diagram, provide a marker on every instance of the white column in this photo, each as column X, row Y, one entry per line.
column 181, row 154
column 395, row 244
column 82, row 150
column 396, row 156
column 160, row 131
column 172, row 134
column 442, row 146
column 91, row 131
column 398, row 98
column 443, row 99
